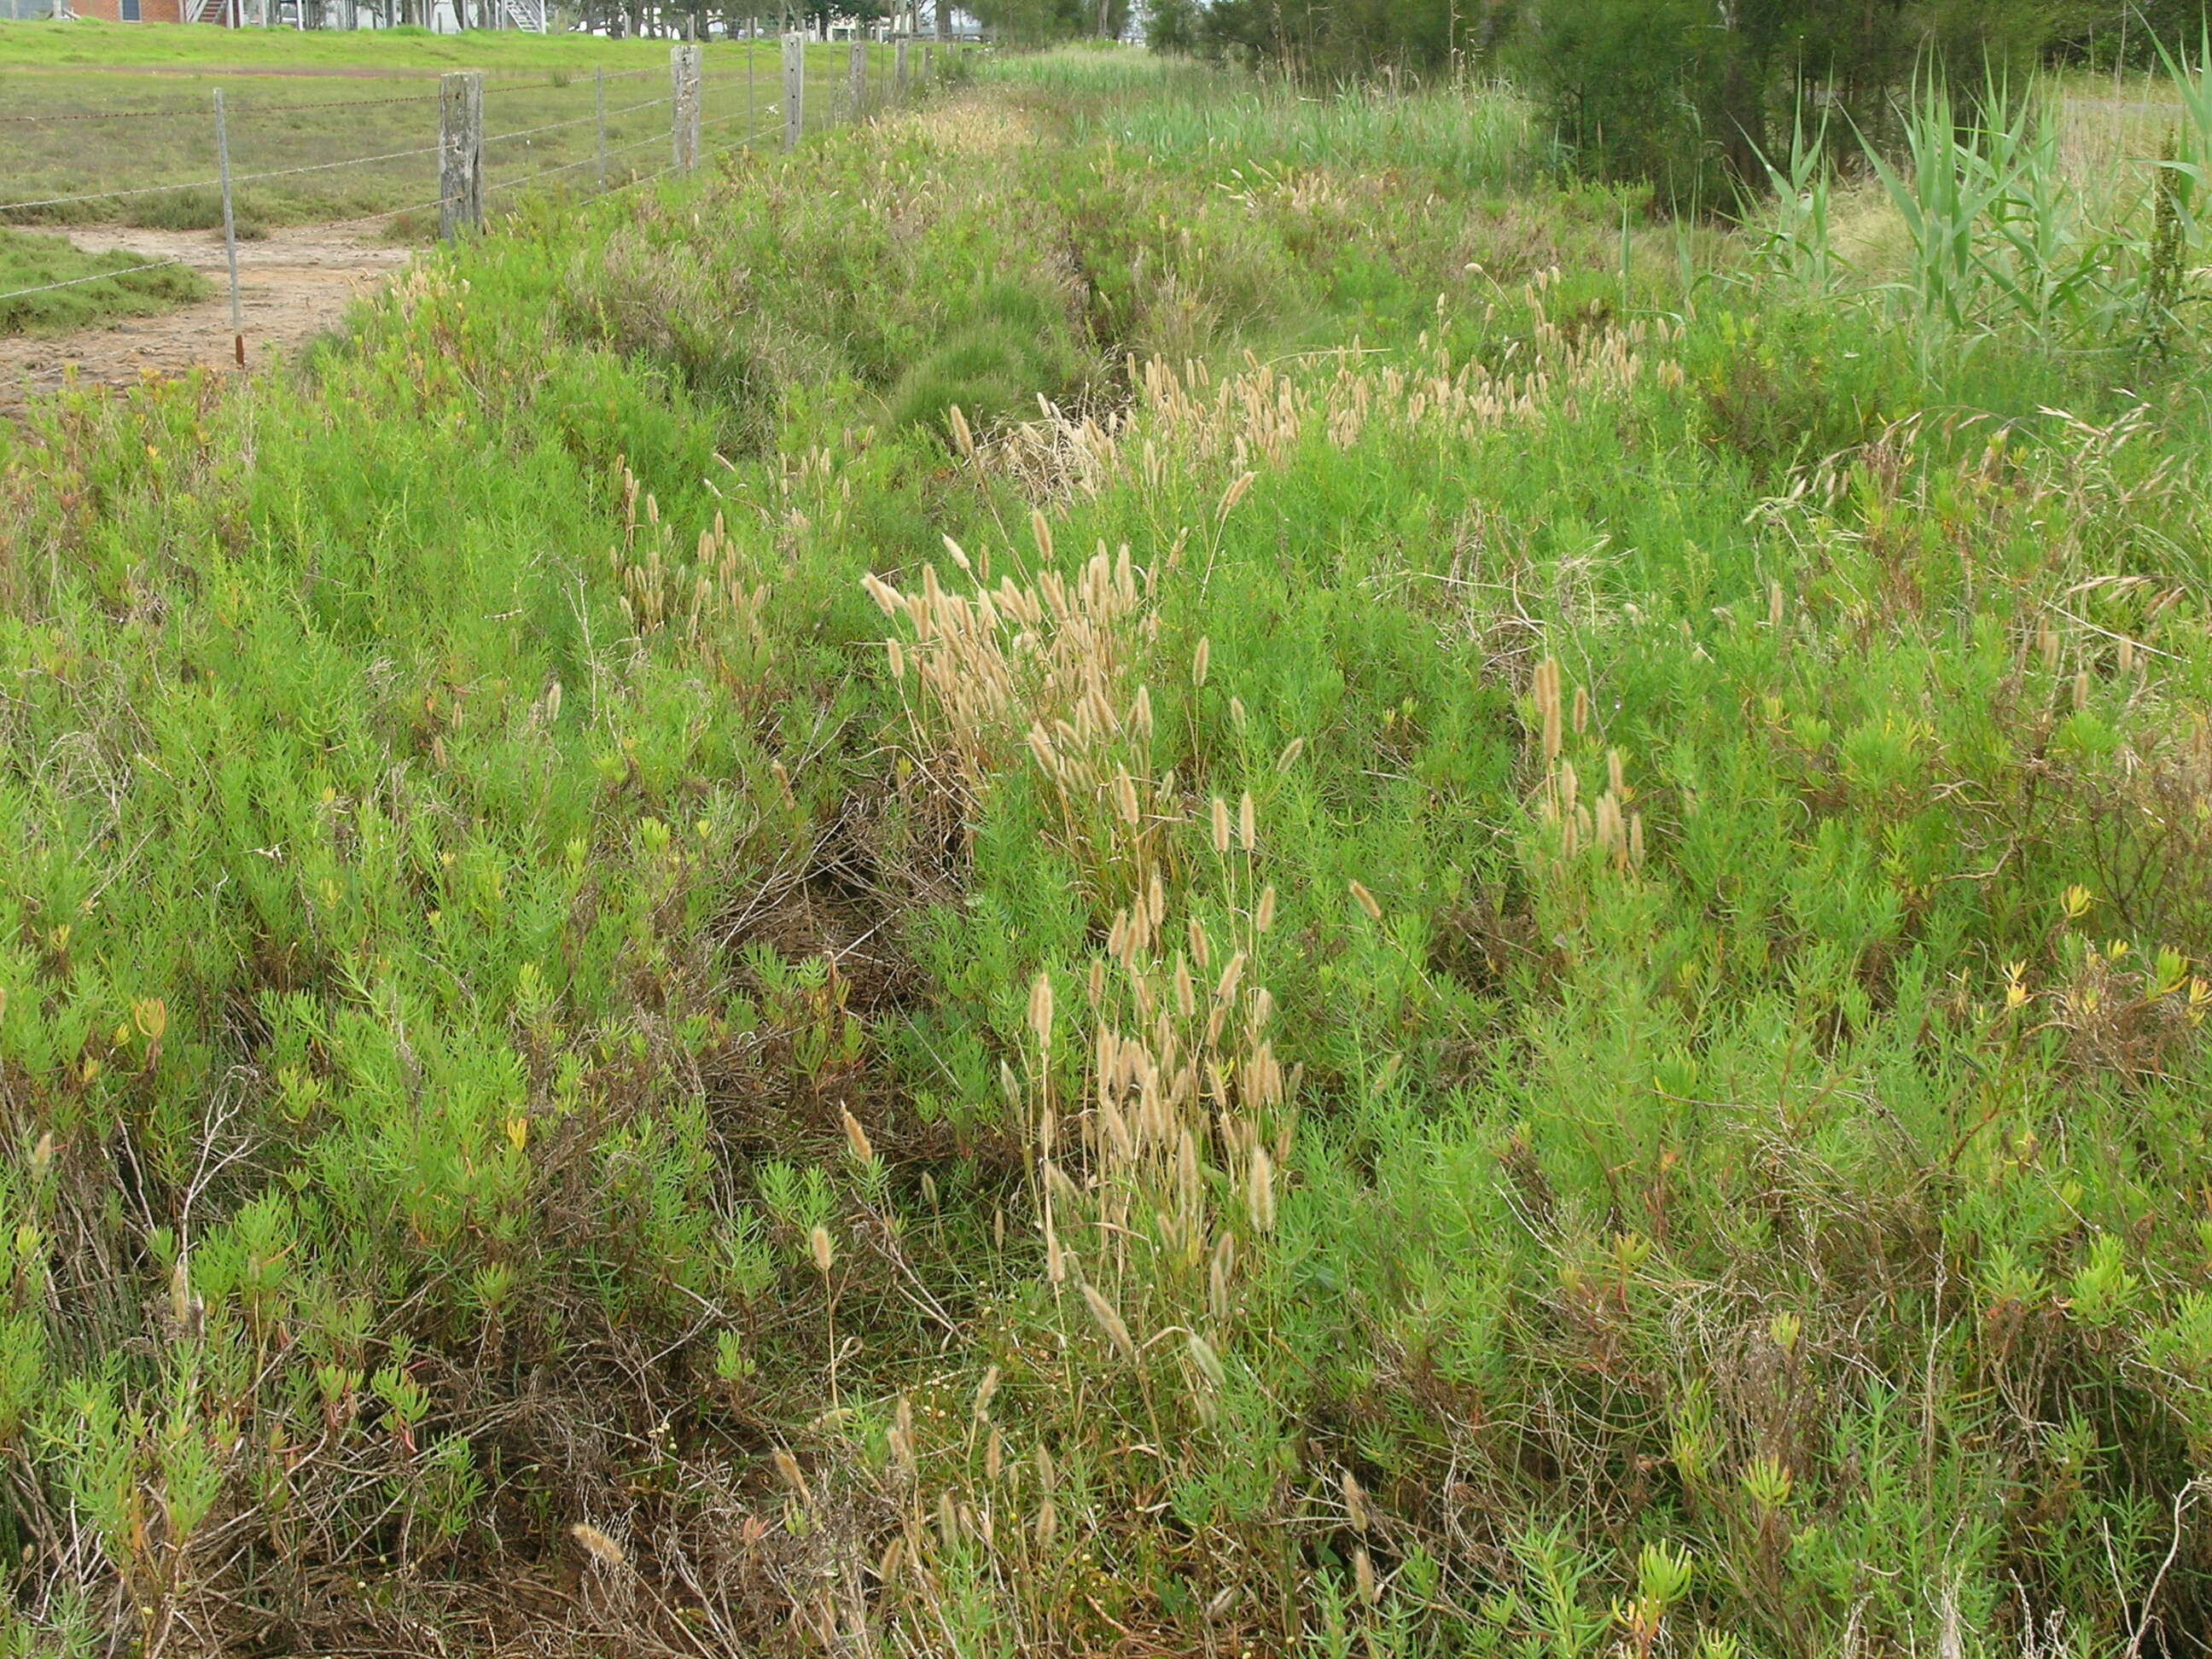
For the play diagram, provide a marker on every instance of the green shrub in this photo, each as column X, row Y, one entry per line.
column 1512, row 965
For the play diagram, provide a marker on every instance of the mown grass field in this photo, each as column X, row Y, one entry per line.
column 91, row 107
column 1493, row 946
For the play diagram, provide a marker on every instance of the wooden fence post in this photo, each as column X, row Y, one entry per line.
column 856, row 78
column 898, row 65
column 794, row 89
column 460, row 154
column 683, row 106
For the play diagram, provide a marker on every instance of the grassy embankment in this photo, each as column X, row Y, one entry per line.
column 1509, row 964
column 28, row 261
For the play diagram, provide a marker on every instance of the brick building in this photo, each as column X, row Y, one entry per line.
column 129, row 11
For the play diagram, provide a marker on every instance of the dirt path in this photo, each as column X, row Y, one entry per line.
column 293, row 284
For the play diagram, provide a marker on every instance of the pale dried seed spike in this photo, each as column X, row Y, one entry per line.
column 1229, row 975
column 857, row 1138
column 1110, row 1322
column 1218, row 1274
column 1265, row 917
column 1208, row 1362
column 1289, row 758
column 793, row 1476
column 1124, row 798
column 1041, row 1009
column 1220, row 827
column 1582, row 709
column 984, row 1391
column 600, row 1547
column 2082, row 690
column 1614, row 774
column 1204, row 656
column 1355, row 1502
column 885, row 595
column 1774, row 605
column 1041, row 532
column 1548, row 706
column 1261, row 1195
column 824, row 1255
column 1366, row 902
column 1248, row 828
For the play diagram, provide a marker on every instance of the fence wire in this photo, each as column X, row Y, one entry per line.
column 96, row 276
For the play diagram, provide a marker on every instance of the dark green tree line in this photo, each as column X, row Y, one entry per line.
column 1035, row 22
column 1689, row 94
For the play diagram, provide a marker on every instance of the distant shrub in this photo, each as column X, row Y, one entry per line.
column 195, row 207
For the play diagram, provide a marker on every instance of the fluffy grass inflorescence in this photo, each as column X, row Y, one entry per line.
column 1441, row 924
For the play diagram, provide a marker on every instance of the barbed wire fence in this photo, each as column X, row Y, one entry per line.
column 738, row 107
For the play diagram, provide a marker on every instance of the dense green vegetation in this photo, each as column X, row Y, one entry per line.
column 1493, row 946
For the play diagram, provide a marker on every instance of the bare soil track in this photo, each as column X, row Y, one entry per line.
column 294, row 284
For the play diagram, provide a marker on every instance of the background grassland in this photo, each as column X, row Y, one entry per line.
column 93, row 107
column 87, row 44
column 1562, row 1017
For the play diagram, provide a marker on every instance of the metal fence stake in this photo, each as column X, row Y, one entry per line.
column 229, row 229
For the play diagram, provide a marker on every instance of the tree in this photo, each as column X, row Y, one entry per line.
column 1034, row 22
column 1692, row 95
column 1172, row 26
column 1332, row 39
